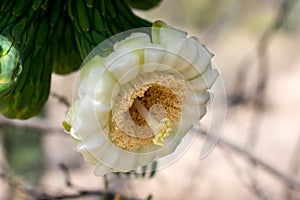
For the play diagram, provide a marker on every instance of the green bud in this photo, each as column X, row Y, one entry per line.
column 9, row 65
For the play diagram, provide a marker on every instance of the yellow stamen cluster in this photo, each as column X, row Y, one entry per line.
column 163, row 132
column 146, row 115
column 161, row 129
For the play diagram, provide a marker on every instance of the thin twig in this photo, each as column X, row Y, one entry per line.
column 286, row 178
column 33, row 193
column 79, row 195
column 61, row 99
column 259, row 100
column 42, row 125
column 250, row 184
column 238, row 95
column 106, row 187
column 294, row 167
column 264, row 67
column 263, row 45
column 66, row 173
column 295, row 160
column 46, row 125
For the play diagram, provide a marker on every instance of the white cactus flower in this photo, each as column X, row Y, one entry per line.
column 135, row 105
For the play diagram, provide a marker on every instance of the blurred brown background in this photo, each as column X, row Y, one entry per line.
column 257, row 46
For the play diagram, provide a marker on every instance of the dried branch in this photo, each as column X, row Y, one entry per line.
column 39, row 124
column 294, row 167
column 66, row 173
column 286, row 178
column 45, row 125
column 264, row 68
column 295, row 159
column 263, row 45
column 259, row 100
column 251, row 184
column 238, row 96
column 61, row 99
column 34, row 193
column 79, row 195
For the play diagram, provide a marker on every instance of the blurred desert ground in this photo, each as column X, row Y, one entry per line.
column 231, row 29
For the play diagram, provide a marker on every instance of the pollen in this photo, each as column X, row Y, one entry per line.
column 145, row 111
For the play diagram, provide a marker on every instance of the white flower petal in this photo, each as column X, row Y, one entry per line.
column 104, row 89
column 205, row 81
column 164, row 34
column 127, row 161
column 134, row 41
column 171, row 39
column 89, row 158
column 204, row 58
column 153, row 53
column 203, row 98
column 111, row 156
column 125, row 67
column 203, row 111
column 191, row 119
column 100, row 150
column 150, row 67
column 91, row 142
column 190, row 112
column 153, row 57
column 171, row 54
column 189, row 52
column 92, row 66
column 82, row 127
column 187, row 56
column 90, row 145
column 145, row 159
column 89, row 76
column 108, row 86
column 101, row 169
column 169, row 147
column 154, row 67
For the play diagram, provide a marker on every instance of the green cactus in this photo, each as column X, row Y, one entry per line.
column 9, row 65
column 38, row 37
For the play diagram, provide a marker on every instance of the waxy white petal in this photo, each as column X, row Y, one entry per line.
column 133, row 42
column 89, row 76
column 125, row 67
column 188, row 56
column 203, row 60
column 101, row 169
column 205, row 81
column 153, row 53
column 111, row 156
column 135, row 61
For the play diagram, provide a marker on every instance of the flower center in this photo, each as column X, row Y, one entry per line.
column 145, row 115
column 160, row 128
